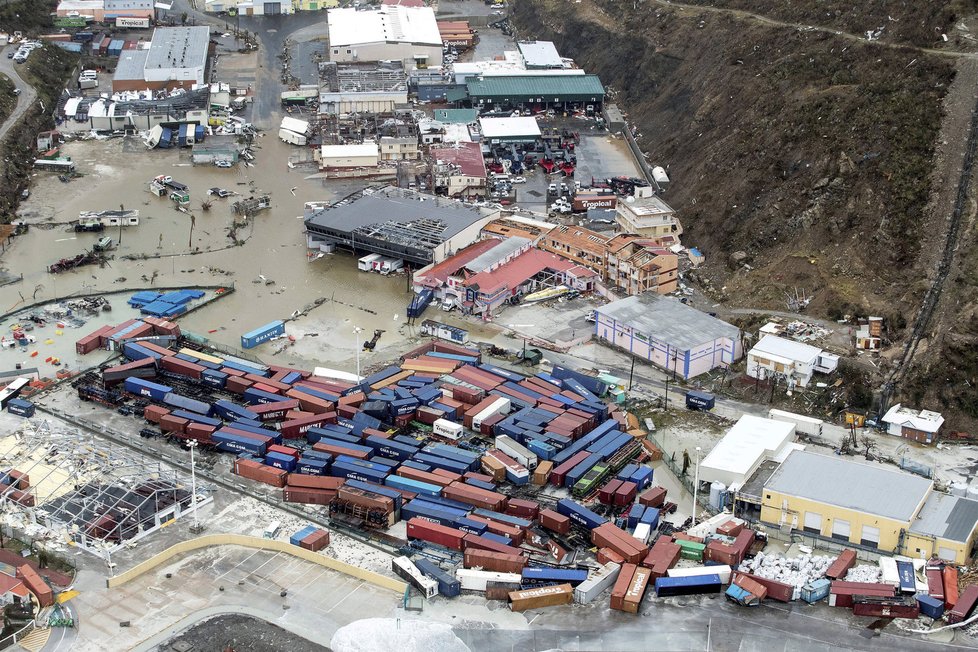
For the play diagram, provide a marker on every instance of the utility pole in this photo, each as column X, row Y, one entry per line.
column 356, row 331
column 631, row 373
column 192, row 444
column 696, row 483
column 122, row 209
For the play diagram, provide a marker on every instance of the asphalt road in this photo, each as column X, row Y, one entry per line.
column 27, row 95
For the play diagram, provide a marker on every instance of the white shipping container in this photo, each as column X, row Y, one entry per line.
column 803, row 424
column 722, row 570
column 407, row 571
column 517, row 451
column 476, row 580
column 499, row 406
column 366, row 263
column 588, row 590
column 448, row 429
column 291, row 137
column 642, row 532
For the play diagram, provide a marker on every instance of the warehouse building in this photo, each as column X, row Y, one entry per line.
column 536, row 92
column 500, row 131
column 388, row 33
column 399, row 223
column 362, row 87
column 539, row 55
column 872, row 508
column 349, row 157
column 669, row 334
column 176, row 58
column 751, row 441
column 260, row 7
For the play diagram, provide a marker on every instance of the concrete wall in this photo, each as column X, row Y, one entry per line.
column 260, row 544
column 462, row 239
column 386, row 52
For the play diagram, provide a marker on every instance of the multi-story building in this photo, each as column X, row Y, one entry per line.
column 637, row 265
column 646, row 215
column 580, row 245
column 459, row 171
column 399, row 148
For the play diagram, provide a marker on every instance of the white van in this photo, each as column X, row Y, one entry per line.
column 272, row 530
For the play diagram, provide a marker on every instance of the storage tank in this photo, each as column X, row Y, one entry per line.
column 718, row 495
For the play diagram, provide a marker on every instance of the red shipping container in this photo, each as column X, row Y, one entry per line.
column 308, row 496
column 625, row 494
column 731, row 528
column 153, row 413
column 268, row 382
column 92, row 341
column 498, row 562
column 428, row 415
column 182, row 367
column 284, row 450
column 513, row 533
column 554, row 521
column 21, row 497
column 523, row 508
column 487, row 424
column 606, row 495
column 609, row 536
column 143, row 330
column 422, row 476
column 654, row 497
column 841, row 593
column 237, row 373
column 620, row 588
column 296, row 428
column 36, row 584
column 259, row 472
column 885, row 607
column 775, row 590
column 300, row 480
column 481, row 543
column 310, row 403
column 19, row 480
column 964, row 605
column 636, row 590
column 264, row 387
column 472, row 475
column 237, row 385
column 476, row 497
column 607, row 555
column 950, row 586
column 373, row 432
column 663, row 555
column 559, row 473
column 353, row 398
column 756, row 589
column 838, row 569
column 298, row 414
column 201, row 432
column 273, row 411
column 315, row 541
column 448, row 475
column 334, row 450
column 170, row 423
column 935, row 582
column 418, row 528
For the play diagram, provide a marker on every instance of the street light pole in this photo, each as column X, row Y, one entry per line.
column 356, row 331
column 193, row 483
column 696, row 483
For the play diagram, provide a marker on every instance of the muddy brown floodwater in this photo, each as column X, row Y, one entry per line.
column 116, row 172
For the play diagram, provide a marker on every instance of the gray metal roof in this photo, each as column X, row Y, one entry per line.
column 178, row 47
column 399, row 214
column 948, row 517
column 668, row 320
column 131, row 65
column 851, row 485
column 498, row 253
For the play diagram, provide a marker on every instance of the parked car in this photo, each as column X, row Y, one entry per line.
column 519, row 180
column 17, row 91
column 223, row 163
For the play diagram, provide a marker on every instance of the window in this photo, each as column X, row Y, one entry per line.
column 871, row 537
column 813, row 523
column 349, row 51
column 840, row 530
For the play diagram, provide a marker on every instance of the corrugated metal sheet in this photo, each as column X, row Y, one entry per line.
column 564, row 86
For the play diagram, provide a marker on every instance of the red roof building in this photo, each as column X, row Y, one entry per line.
column 459, row 170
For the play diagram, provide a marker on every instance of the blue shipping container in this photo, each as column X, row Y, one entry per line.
column 176, row 400
column 407, row 484
column 297, row 538
column 473, row 527
column 579, row 514
column 554, row 576
column 448, row 586
column 142, row 387
column 434, row 513
column 253, row 338
column 311, row 466
column 350, row 471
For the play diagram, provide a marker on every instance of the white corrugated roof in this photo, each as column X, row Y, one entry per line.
column 352, row 151
column 388, row 24
column 924, row 420
column 750, row 441
column 293, row 124
column 789, row 349
column 503, row 127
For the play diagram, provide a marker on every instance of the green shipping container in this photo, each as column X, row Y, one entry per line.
column 690, row 549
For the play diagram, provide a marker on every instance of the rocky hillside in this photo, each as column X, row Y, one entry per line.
column 819, row 156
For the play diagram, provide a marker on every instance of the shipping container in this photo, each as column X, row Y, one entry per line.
column 841, row 593
column 553, row 576
column 407, row 571
column 267, row 332
column 448, row 586
column 902, row 606
column 816, row 590
column 20, row 407
column 476, row 580
column 176, row 400
column 434, row 533
column 724, row 572
column 141, row 387
column 673, row 586
column 905, row 573
column 494, row 561
column 964, row 606
column 930, row 606
column 554, row 521
column 600, row 581
column 579, row 514
column 838, row 569
column 540, row 597
column 775, row 590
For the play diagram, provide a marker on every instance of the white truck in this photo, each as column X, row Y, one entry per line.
column 292, row 137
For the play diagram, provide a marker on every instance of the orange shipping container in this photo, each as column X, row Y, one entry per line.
column 543, row 596
column 636, row 590
column 620, row 588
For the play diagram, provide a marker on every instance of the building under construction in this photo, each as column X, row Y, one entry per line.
column 97, row 495
column 404, row 224
column 362, row 87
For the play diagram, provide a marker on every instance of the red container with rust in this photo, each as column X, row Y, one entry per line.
column 555, row 522
column 418, row 528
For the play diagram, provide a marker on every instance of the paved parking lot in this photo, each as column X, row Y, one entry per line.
column 316, row 603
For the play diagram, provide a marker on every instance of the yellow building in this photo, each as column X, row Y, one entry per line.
column 314, row 5
column 871, row 507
